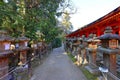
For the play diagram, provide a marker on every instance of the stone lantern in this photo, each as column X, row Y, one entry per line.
column 5, row 52
column 70, row 42
column 34, row 48
column 74, row 46
column 109, row 48
column 23, row 49
column 92, row 49
column 40, row 46
column 79, row 58
column 109, row 40
column 83, row 46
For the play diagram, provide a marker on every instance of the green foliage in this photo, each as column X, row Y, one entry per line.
column 66, row 23
column 88, row 75
column 26, row 18
column 71, row 57
column 43, row 19
column 10, row 19
column 56, row 43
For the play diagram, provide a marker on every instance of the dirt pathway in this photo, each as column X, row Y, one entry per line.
column 58, row 67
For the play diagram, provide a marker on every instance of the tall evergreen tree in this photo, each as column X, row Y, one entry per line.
column 26, row 17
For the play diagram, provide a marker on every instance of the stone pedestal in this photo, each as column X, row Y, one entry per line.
column 92, row 56
column 91, row 67
column 109, row 60
column 92, row 53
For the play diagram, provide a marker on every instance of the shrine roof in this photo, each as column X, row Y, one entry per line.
column 113, row 12
column 110, row 14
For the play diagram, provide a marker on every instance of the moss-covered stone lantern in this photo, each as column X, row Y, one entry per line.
column 79, row 58
column 40, row 46
column 92, row 49
column 23, row 49
column 109, row 40
column 5, row 52
column 83, row 46
column 109, row 49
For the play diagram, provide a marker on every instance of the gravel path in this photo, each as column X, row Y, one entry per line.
column 58, row 67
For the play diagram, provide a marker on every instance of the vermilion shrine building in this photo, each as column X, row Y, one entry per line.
column 97, row 27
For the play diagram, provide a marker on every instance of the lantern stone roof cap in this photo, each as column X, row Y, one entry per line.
column 5, row 37
column 94, row 39
column 74, row 39
column 21, row 48
column 89, row 40
column 69, row 39
column 23, row 38
column 84, row 39
column 79, row 38
column 109, row 36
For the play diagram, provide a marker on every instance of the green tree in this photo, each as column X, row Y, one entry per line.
column 26, row 17
column 66, row 24
column 9, row 16
column 66, row 9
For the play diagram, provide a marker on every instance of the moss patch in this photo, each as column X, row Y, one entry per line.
column 88, row 75
column 71, row 57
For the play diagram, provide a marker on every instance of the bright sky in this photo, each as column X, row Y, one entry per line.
column 91, row 10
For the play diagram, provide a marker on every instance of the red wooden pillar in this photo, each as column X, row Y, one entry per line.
column 87, row 34
column 114, row 30
column 119, row 30
column 98, row 31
